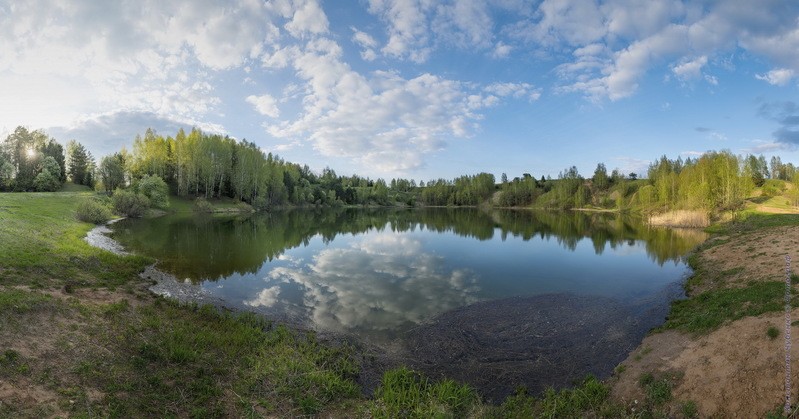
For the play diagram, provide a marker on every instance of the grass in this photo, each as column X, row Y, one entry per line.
column 707, row 311
column 130, row 354
column 681, row 218
column 772, row 332
column 748, row 220
column 42, row 246
column 186, row 205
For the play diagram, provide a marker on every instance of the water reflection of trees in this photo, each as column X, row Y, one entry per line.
column 217, row 247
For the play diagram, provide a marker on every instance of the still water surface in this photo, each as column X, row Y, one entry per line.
column 392, row 275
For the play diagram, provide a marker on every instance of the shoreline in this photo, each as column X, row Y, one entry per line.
column 729, row 366
column 394, row 354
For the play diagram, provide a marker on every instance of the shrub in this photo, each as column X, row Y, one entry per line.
column 772, row 332
column 46, row 182
column 92, row 211
column 156, row 190
column 130, row 204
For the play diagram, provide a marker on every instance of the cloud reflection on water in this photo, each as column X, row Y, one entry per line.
column 380, row 282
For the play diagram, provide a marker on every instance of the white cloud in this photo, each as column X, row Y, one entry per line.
column 381, row 120
column 265, row 298
column 690, row 68
column 762, row 146
column 308, row 18
column 367, row 44
column 515, row 90
column 265, row 105
column 107, row 133
column 777, row 77
column 148, row 57
column 465, row 23
column 629, row 38
column 407, row 27
column 381, row 282
column 501, row 50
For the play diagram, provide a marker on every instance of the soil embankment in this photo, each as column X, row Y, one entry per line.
column 737, row 369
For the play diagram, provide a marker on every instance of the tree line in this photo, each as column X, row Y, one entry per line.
column 714, row 181
column 33, row 161
column 198, row 164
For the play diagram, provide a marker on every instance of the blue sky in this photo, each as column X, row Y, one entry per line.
column 414, row 88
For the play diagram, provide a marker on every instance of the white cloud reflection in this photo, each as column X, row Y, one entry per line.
column 380, row 282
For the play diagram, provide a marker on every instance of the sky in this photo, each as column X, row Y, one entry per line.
column 419, row 89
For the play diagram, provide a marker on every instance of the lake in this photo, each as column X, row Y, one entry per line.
column 498, row 299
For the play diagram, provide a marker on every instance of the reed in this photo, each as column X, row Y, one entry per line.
column 681, row 218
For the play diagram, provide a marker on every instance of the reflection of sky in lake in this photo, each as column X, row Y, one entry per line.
column 383, row 282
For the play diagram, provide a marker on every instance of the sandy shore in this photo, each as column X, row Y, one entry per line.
column 735, row 370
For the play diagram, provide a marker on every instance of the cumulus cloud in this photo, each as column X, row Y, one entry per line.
column 614, row 44
column 416, row 28
column 367, row 44
column 382, row 120
column 265, row 105
column 407, row 27
column 777, row 77
column 689, row 68
column 516, row 90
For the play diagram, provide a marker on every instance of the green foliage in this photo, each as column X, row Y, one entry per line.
column 588, row 399
column 689, row 409
column 93, row 211
column 130, row 204
column 27, row 153
column 155, row 189
column 709, row 310
column 18, row 301
column 112, row 171
column 80, row 164
column 405, row 393
column 202, row 205
column 772, row 332
column 46, row 182
column 773, row 187
column 600, row 179
column 464, row 190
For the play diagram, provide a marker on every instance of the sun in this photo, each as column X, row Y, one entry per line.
column 30, row 152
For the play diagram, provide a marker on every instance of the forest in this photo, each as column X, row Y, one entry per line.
column 202, row 165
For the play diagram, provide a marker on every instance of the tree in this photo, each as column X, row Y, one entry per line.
column 776, row 167
column 78, row 162
column 156, row 190
column 112, row 172
column 600, row 179
column 49, row 178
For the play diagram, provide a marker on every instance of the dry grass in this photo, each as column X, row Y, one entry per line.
column 681, row 218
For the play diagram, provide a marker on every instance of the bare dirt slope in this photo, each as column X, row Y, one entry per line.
column 735, row 370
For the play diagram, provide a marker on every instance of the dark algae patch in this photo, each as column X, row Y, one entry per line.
column 532, row 343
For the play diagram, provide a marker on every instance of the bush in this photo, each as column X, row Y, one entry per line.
column 156, row 190
column 46, row 182
column 92, row 211
column 130, row 204
column 201, row 205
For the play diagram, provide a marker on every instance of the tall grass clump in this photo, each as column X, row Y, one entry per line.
column 406, row 394
column 681, row 218
column 202, row 205
column 92, row 211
